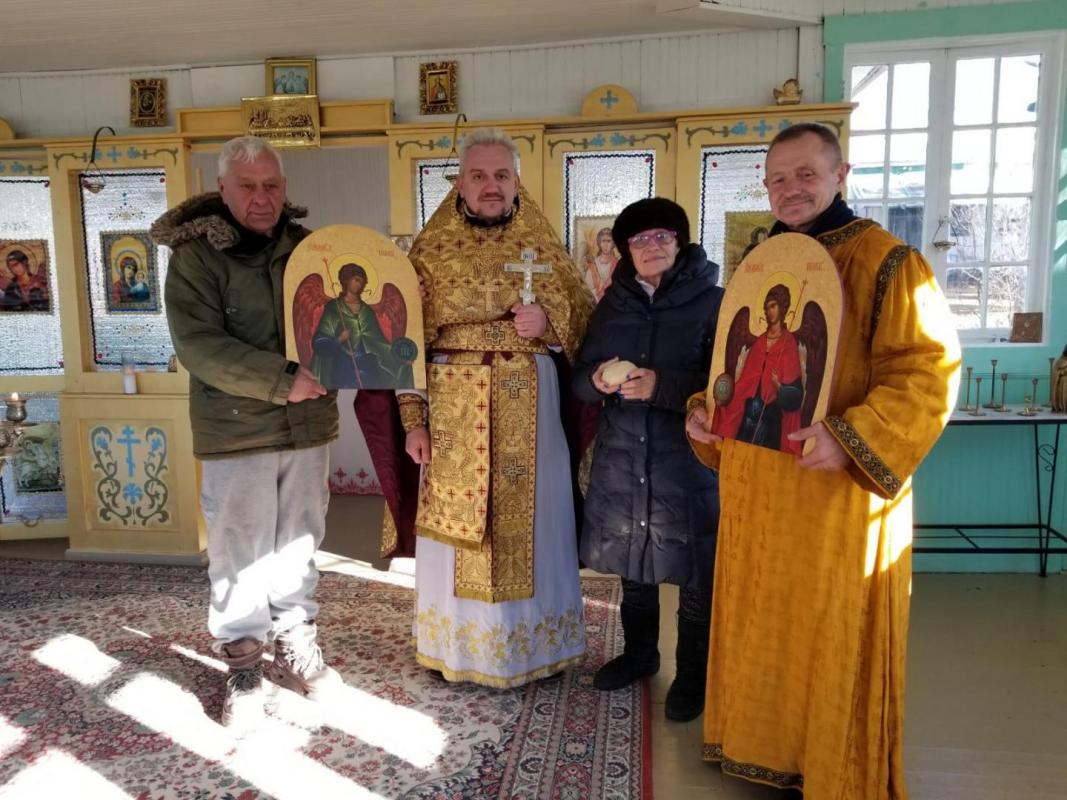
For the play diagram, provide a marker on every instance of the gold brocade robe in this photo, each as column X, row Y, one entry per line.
column 813, row 569
column 478, row 494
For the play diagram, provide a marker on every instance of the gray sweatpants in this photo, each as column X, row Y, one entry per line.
column 266, row 516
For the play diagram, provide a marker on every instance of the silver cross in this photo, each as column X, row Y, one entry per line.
column 528, row 268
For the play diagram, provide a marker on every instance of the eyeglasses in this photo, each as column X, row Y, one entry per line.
column 661, row 237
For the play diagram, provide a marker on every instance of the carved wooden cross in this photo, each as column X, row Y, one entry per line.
column 528, row 268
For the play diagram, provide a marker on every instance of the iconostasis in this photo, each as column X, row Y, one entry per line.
column 109, row 463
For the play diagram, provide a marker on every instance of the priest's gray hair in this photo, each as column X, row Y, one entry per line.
column 488, row 137
column 245, row 150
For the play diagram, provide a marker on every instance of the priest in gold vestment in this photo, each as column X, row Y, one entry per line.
column 813, row 573
column 498, row 596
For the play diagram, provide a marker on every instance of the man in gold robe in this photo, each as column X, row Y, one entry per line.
column 813, row 575
column 498, row 596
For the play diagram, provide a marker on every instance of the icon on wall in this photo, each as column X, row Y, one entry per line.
column 745, row 230
column 290, row 76
column 24, row 277
column 38, row 468
column 283, row 120
column 595, row 253
column 131, row 276
column 437, row 87
column 148, row 102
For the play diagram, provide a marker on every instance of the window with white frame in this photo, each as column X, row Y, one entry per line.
column 952, row 151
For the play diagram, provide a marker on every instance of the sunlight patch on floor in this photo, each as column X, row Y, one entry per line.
column 288, row 775
column 54, row 774
column 397, row 575
column 77, row 658
column 270, row 758
column 166, row 708
column 403, row 732
column 10, row 737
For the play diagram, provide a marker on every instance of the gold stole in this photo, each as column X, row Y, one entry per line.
column 483, row 401
column 483, row 421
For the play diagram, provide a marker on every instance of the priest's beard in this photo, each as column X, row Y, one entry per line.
column 485, row 221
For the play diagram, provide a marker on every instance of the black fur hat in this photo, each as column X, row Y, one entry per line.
column 652, row 212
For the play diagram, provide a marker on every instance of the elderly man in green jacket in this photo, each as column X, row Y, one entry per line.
column 261, row 425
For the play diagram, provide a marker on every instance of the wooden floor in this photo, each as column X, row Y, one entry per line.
column 987, row 681
column 986, row 696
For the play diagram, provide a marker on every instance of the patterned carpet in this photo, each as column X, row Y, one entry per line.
column 108, row 689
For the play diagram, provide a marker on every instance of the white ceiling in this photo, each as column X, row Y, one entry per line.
column 42, row 35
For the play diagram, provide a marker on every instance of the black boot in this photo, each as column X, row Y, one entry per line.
column 685, row 698
column 640, row 627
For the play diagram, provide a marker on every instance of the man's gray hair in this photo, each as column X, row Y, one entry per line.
column 245, row 150
column 488, row 137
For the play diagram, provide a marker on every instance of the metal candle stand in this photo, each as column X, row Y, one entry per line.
column 977, row 410
column 967, row 407
column 992, row 404
column 12, row 428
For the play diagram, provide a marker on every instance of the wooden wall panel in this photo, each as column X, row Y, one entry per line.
column 225, row 86
column 356, row 78
column 665, row 73
column 76, row 104
column 338, row 185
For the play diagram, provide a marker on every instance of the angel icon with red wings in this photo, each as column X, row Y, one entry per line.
column 776, row 375
column 348, row 342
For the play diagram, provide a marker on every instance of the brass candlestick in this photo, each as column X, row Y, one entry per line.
column 978, row 412
column 1051, row 381
column 992, row 387
column 967, row 402
column 1003, row 393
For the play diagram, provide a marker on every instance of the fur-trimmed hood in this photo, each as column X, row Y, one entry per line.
column 202, row 217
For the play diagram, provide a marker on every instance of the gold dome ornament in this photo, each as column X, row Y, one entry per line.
column 790, row 93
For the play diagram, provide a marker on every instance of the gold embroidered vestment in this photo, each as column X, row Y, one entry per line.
column 478, row 493
column 825, row 628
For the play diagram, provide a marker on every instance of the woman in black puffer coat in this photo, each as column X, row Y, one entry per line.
column 651, row 511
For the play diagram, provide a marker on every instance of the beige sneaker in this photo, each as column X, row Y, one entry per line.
column 298, row 663
column 246, row 694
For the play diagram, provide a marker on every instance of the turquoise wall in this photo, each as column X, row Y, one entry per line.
column 986, row 475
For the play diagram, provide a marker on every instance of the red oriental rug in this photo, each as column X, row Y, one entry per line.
column 108, row 688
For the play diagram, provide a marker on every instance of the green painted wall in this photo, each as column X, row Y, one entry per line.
column 986, row 475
